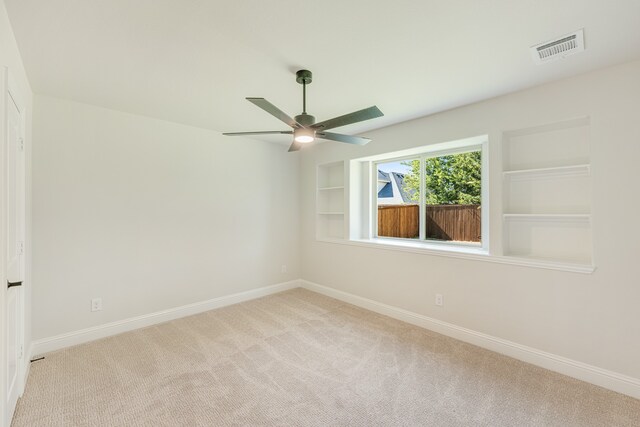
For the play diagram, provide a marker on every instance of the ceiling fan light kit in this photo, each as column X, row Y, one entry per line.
column 304, row 135
column 305, row 128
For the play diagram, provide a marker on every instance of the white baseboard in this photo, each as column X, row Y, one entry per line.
column 26, row 367
column 46, row 345
column 582, row 371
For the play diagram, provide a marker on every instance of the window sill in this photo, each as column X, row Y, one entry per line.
column 424, row 246
column 465, row 252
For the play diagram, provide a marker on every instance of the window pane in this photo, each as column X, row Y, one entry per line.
column 398, row 199
column 452, row 197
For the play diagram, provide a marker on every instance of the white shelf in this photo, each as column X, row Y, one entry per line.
column 562, row 238
column 557, row 144
column 525, row 261
column 547, row 216
column 556, row 171
column 330, row 175
column 565, row 190
column 330, row 204
column 547, row 195
column 551, row 264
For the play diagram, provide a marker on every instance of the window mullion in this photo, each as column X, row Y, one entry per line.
column 373, row 173
column 421, row 207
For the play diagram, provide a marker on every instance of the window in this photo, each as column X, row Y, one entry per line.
column 433, row 196
column 398, row 199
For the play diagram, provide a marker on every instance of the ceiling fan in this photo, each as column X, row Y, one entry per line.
column 305, row 128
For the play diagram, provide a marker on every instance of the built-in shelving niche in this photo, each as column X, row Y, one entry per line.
column 330, row 195
column 547, row 193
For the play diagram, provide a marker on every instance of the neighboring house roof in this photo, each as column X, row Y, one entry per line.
column 383, row 176
column 393, row 191
column 385, row 188
column 386, row 191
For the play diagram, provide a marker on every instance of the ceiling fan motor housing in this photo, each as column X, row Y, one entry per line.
column 305, row 120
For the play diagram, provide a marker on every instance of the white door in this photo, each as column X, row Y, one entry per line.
column 15, row 220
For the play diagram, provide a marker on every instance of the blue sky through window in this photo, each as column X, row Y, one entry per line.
column 394, row 167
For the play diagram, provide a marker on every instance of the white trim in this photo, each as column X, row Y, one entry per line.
column 582, row 371
column 441, row 148
column 548, row 127
column 467, row 145
column 4, row 98
column 436, row 245
column 26, row 358
column 46, row 345
column 14, row 93
column 548, row 172
column 462, row 252
column 10, row 93
column 422, row 208
column 547, row 217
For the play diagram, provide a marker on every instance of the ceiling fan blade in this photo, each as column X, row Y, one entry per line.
column 295, row 146
column 358, row 140
column 347, row 119
column 266, row 132
column 274, row 111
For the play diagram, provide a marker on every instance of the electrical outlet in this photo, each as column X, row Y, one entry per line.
column 283, row 269
column 96, row 304
column 439, row 300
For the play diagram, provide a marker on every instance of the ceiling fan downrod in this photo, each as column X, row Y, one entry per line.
column 304, row 77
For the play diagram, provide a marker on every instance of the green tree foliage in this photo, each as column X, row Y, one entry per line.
column 453, row 179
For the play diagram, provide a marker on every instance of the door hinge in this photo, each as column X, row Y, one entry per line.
column 21, row 144
column 21, row 352
column 20, row 248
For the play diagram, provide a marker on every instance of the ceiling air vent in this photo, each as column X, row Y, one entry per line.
column 559, row 48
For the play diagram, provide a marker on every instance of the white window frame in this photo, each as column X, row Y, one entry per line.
column 436, row 150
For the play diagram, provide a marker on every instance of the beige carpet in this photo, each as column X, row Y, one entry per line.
column 302, row 359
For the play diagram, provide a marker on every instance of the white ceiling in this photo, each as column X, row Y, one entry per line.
column 194, row 61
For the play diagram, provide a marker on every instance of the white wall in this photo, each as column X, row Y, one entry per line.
column 151, row 215
column 591, row 318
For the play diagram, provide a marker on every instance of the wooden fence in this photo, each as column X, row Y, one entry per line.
column 459, row 223
column 398, row 221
